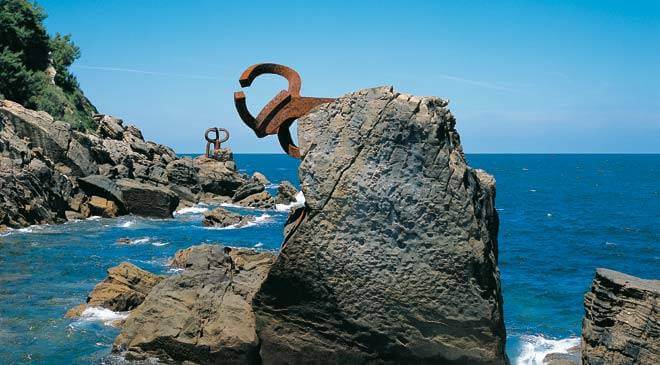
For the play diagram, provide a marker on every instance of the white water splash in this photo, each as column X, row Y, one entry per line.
column 300, row 201
column 197, row 209
column 264, row 218
column 104, row 315
column 536, row 348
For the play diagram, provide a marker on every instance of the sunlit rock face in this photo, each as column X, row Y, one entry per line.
column 396, row 258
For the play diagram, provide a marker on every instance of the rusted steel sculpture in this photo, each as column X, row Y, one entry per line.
column 278, row 115
column 216, row 142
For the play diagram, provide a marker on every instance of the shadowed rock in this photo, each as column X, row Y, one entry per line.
column 147, row 200
column 202, row 315
column 622, row 320
column 396, row 260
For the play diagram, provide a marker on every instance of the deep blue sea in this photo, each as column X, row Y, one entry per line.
column 561, row 216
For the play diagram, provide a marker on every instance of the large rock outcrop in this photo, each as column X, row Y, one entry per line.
column 622, row 320
column 396, row 258
column 204, row 314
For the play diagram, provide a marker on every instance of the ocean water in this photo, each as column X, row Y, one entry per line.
column 561, row 217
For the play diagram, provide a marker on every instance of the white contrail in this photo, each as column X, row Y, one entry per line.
column 167, row 74
column 483, row 84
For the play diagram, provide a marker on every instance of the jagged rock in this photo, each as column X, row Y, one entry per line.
column 247, row 189
column 220, row 217
column 52, row 138
column 286, row 193
column 102, row 207
column 123, row 290
column 202, row 315
column 622, row 321
column 147, row 200
column 104, row 187
column 110, row 127
column 32, row 194
column 260, row 178
column 214, row 177
column 182, row 172
column 396, row 259
column 262, row 200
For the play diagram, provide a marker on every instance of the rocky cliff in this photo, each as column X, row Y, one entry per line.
column 50, row 173
column 622, row 320
column 395, row 260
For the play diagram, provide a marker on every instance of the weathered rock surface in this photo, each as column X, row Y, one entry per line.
column 202, row 315
column 260, row 178
column 286, row 193
column 102, row 186
column 51, row 172
column 220, row 217
column 216, row 177
column 147, row 200
column 622, row 320
column 396, row 259
column 123, row 290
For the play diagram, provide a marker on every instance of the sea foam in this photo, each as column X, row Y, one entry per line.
column 102, row 315
column 535, row 348
column 197, row 209
column 300, row 201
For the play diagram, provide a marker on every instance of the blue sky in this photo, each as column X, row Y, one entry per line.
column 521, row 76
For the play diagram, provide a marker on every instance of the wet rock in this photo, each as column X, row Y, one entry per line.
column 286, row 193
column 202, row 315
column 621, row 323
column 147, row 200
column 214, row 177
column 220, row 217
column 123, row 290
column 396, row 259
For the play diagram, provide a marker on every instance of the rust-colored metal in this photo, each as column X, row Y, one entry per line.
column 281, row 111
column 215, row 142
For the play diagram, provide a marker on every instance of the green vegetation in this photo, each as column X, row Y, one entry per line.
column 27, row 58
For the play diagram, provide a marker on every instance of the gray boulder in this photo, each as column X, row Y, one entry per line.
column 622, row 322
column 202, row 315
column 147, row 200
column 396, row 258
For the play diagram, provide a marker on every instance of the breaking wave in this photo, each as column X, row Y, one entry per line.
column 535, row 348
column 300, row 201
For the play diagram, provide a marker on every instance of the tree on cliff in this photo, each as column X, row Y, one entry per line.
column 28, row 56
